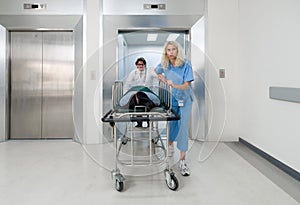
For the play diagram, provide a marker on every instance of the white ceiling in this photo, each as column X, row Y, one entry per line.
column 139, row 38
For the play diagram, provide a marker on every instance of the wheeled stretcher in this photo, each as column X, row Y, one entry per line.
column 157, row 148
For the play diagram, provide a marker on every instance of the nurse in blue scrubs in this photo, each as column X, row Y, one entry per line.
column 177, row 73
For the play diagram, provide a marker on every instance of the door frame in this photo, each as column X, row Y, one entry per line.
column 8, row 79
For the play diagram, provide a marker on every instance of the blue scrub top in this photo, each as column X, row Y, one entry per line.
column 179, row 75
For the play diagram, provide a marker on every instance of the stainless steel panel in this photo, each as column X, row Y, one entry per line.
column 26, row 85
column 198, row 59
column 58, row 75
column 41, row 22
column 285, row 94
column 3, row 82
column 78, row 82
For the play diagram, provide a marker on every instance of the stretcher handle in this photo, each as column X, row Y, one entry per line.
column 110, row 119
column 105, row 117
column 176, row 117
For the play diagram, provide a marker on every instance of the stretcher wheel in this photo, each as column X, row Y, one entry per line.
column 119, row 185
column 173, row 184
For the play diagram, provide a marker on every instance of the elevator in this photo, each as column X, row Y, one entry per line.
column 126, row 39
column 41, row 84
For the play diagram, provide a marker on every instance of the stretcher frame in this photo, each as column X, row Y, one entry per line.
column 152, row 118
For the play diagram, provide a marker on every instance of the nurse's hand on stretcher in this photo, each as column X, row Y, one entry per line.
column 162, row 78
column 170, row 83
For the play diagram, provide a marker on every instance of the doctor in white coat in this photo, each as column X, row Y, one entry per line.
column 142, row 76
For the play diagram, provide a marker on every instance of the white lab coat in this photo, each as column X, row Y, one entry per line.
column 143, row 78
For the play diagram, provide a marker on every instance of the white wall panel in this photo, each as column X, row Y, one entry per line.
column 269, row 56
column 15, row 7
column 222, row 99
column 134, row 7
column 92, row 73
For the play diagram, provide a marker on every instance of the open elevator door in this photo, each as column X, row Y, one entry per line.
column 149, row 44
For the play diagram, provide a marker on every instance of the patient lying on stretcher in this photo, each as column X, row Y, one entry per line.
column 138, row 99
column 139, row 96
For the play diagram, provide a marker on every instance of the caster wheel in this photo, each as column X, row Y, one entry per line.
column 173, row 184
column 119, row 185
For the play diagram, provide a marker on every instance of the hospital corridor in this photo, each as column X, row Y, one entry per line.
column 149, row 102
column 51, row 172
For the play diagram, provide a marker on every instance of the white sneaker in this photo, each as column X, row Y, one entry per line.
column 171, row 150
column 184, row 170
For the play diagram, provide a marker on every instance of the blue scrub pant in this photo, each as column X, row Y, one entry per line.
column 179, row 130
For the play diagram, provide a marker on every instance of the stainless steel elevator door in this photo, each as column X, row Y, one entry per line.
column 58, row 72
column 26, row 85
column 42, row 75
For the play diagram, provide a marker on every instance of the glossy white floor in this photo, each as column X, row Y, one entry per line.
column 62, row 172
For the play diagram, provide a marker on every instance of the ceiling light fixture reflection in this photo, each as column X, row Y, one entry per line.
column 172, row 37
column 151, row 36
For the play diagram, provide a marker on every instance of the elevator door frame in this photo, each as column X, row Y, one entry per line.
column 10, row 83
column 109, row 50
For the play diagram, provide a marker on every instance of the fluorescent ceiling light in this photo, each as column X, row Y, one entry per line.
column 172, row 37
column 151, row 36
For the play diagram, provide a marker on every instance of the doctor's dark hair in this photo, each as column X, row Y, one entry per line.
column 140, row 59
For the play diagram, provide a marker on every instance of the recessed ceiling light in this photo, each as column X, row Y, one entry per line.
column 151, row 36
column 172, row 37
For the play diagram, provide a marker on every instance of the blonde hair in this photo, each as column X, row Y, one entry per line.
column 165, row 62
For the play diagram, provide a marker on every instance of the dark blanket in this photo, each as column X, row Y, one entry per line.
column 139, row 96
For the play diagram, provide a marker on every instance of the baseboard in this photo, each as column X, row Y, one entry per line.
column 290, row 171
